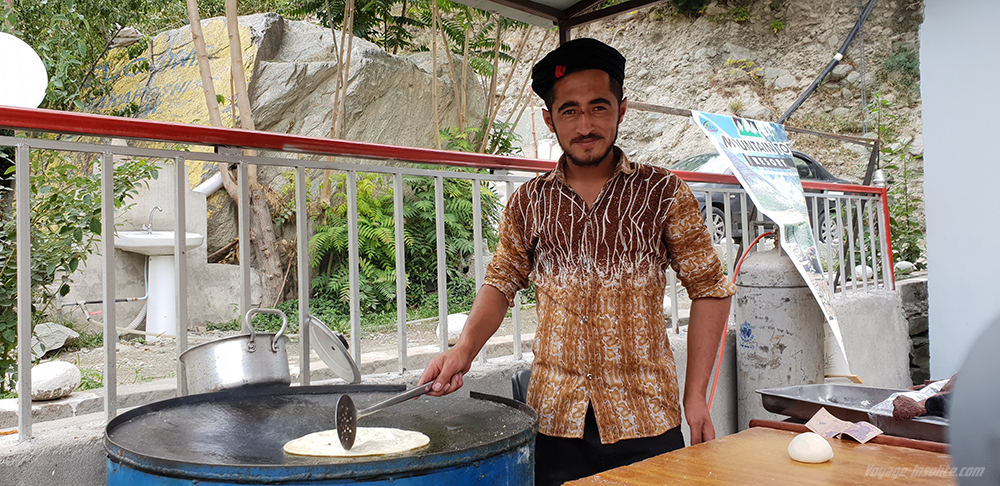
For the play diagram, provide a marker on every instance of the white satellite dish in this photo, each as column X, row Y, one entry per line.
column 26, row 80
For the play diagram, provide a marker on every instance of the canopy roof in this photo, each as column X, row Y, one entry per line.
column 565, row 14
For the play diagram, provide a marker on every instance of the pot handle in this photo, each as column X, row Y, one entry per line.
column 274, row 342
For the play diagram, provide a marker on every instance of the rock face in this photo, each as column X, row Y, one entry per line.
column 55, row 379
column 389, row 98
column 291, row 68
column 681, row 62
column 50, row 336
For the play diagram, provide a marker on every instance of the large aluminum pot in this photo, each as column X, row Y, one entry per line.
column 239, row 360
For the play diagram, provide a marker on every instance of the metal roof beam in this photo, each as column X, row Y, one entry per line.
column 581, row 6
column 606, row 12
column 521, row 10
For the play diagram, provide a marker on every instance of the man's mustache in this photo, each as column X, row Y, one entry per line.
column 587, row 138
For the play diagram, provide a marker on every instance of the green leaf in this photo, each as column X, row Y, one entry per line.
column 64, row 290
column 95, row 226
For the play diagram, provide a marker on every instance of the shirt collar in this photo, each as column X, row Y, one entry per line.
column 622, row 166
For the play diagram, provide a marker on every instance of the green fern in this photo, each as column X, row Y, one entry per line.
column 377, row 239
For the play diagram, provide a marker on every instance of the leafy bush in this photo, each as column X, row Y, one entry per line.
column 777, row 25
column 502, row 141
column 901, row 72
column 903, row 59
column 901, row 173
column 741, row 14
column 377, row 244
column 691, row 8
column 70, row 36
column 385, row 23
column 91, row 379
column 421, row 228
column 461, row 292
column 65, row 224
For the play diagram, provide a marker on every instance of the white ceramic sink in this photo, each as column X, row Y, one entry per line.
column 157, row 243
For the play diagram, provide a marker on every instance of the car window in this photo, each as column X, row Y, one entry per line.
column 805, row 168
column 708, row 163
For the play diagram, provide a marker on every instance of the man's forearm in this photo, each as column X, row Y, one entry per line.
column 708, row 318
column 488, row 311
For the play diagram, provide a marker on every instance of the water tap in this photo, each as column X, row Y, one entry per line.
column 149, row 227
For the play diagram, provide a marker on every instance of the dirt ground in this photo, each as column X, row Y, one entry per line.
column 140, row 361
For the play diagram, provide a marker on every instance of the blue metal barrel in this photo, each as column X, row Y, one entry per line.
column 236, row 437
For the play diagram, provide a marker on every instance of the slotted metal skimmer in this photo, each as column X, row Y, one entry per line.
column 348, row 414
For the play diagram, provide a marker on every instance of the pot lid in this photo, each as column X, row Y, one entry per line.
column 332, row 349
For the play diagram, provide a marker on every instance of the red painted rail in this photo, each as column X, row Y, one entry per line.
column 109, row 126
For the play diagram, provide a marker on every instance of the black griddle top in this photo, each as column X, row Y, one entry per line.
column 249, row 427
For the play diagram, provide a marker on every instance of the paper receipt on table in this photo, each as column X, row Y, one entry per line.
column 825, row 424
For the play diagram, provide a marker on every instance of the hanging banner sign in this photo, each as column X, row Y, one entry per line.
column 761, row 159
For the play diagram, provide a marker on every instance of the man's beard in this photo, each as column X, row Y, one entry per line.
column 591, row 161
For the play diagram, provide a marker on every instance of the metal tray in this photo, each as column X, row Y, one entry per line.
column 851, row 403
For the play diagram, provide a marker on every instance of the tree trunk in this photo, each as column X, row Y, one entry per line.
column 493, row 107
column 492, row 100
column 434, row 69
column 262, row 233
column 451, row 67
column 340, row 92
column 326, row 189
column 236, row 66
column 265, row 246
column 463, row 114
column 521, row 94
column 198, row 37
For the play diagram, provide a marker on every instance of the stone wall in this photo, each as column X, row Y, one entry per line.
column 913, row 292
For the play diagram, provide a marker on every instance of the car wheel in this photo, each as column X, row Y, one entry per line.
column 717, row 225
column 829, row 230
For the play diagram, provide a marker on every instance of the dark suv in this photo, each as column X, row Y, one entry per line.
column 713, row 163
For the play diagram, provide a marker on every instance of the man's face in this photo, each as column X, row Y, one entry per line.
column 585, row 116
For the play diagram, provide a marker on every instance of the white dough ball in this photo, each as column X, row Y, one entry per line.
column 811, row 448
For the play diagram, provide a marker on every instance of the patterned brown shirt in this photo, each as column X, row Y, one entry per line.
column 600, row 275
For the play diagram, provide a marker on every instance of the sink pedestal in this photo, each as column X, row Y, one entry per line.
column 161, row 310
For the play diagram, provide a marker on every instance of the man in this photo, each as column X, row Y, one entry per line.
column 596, row 235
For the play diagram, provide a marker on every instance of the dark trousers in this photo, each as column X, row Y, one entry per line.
column 558, row 459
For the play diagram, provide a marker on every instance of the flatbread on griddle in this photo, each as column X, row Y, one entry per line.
column 370, row 441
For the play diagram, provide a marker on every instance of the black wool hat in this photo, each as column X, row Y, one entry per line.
column 577, row 54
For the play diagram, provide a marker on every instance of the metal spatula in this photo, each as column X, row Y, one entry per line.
column 348, row 414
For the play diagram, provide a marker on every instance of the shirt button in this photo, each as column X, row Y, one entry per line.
column 590, row 376
column 586, row 319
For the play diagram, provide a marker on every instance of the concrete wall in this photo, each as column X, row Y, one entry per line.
column 961, row 169
column 213, row 289
column 876, row 336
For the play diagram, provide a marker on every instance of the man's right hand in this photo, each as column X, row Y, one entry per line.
column 446, row 371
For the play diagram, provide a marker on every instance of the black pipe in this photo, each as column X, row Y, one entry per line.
column 833, row 63
column 90, row 302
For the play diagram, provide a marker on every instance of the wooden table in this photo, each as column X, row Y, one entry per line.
column 760, row 456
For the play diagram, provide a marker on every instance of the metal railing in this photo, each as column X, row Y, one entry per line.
column 229, row 145
column 849, row 223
